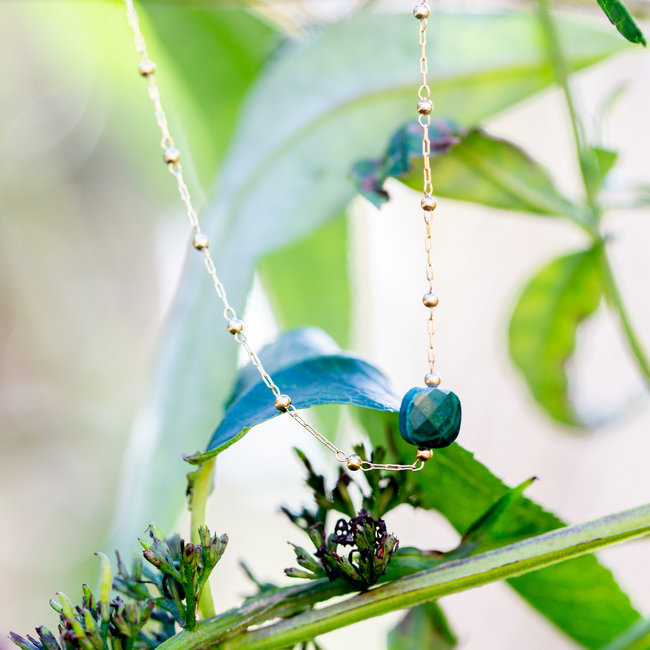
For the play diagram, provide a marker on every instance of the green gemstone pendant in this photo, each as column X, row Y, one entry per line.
column 430, row 417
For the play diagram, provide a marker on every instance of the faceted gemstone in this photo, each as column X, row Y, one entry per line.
column 430, row 417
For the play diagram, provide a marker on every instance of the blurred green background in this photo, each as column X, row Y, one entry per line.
column 92, row 247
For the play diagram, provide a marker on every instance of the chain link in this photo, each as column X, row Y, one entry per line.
column 425, row 107
column 235, row 326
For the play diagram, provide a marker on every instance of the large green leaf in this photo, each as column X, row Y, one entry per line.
column 309, row 116
column 202, row 94
column 542, row 333
column 312, row 270
column 455, row 484
column 467, row 164
column 622, row 19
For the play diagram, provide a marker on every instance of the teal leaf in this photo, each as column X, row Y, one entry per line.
column 544, row 323
column 458, row 486
column 288, row 350
column 403, row 158
column 324, row 379
column 424, row 626
column 285, row 175
column 619, row 15
column 468, row 165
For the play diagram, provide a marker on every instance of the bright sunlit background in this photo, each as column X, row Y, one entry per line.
column 92, row 245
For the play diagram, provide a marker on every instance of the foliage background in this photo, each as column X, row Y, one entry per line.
column 91, row 248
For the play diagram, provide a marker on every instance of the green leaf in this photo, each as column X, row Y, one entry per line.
column 606, row 159
column 316, row 267
column 459, row 487
column 313, row 269
column 597, row 163
column 542, row 332
column 325, row 379
column 485, row 532
column 288, row 350
column 474, row 501
column 424, row 626
column 202, row 94
column 469, row 165
column 307, row 118
column 619, row 15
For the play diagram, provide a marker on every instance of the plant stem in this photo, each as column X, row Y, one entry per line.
column 561, row 72
column 585, row 159
column 448, row 578
column 616, row 302
column 633, row 637
column 201, row 487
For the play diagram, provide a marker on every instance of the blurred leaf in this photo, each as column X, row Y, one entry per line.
column 424, row 626
column 403, row 154
column 313, row 270
column 606, row 107
column 469, row 165
column 622, row 19
column 543, row 326
column 206, row 93
column 605, row 159
column 459, row 487
column 308, row 117
column 597, row 163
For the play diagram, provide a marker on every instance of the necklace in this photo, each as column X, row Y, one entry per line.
column 429, row 416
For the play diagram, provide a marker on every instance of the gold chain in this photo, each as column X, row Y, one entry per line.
column 171, row 156
column 428, row 202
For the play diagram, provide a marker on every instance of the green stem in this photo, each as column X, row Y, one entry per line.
column 448, row 578
column 616, row 302
column 635, row 637
column 200, row 491
column 561, row 71
column 586, row 162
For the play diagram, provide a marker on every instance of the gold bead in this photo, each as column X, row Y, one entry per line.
column 430, row 299
column 421, row 12
column 147, row 68
column 354, row 463
column 282, row 402
column 171, row 155
column 431, row 379
column 201, row 242
column 425, row 106
column 428, row 203
column 235, row 326
column 424, row 454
